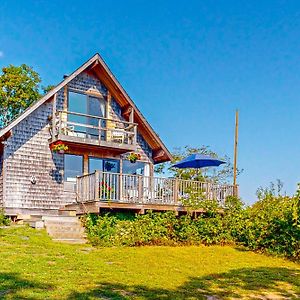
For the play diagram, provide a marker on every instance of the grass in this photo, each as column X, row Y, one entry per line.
column 34, row 267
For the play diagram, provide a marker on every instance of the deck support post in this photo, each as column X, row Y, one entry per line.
column 141, row 211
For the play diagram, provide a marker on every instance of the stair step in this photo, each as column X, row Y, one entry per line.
column 67, row 236
column 61, row 223
column 71, row 241
column 65, row 228
column 53, row 231
column 35, row 224
column 67, row 212
column 60, row 219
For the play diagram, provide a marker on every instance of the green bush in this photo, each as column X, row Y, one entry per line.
column 4, row 221
column 271, row 225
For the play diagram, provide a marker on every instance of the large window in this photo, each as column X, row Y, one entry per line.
column 87, row 105
column 105, row 165
column 73, row 167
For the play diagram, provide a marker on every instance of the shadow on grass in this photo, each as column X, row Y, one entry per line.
column 250, row 283
column 11, row 284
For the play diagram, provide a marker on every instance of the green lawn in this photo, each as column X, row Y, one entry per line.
column 34, row 267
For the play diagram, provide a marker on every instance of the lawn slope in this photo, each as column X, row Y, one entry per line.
column 34, row 267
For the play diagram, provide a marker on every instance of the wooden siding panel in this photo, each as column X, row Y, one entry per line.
column 1, row 180
column 87, row 83
column 33, row 174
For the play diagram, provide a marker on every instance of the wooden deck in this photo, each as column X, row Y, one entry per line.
column 97, row 206
column 102, row 190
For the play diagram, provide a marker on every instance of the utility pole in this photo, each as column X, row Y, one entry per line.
column 236, row 136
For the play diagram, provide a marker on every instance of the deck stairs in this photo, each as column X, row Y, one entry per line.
column 64, row 227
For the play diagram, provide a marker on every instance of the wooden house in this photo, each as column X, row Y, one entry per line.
column 100, row 133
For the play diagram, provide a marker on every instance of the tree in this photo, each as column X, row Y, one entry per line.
column 19, row 88
column 221, row 174
column 46, row 89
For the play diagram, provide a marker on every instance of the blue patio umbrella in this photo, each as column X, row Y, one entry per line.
column 198, row 161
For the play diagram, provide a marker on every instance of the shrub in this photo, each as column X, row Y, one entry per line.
column 4, row 221
column 271, row 225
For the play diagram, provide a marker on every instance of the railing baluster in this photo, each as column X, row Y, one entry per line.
column 145, row 189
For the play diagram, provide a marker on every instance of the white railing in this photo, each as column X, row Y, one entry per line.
column 126, row 188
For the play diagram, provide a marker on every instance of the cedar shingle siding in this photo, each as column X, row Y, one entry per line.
column 1, row 180
column 27, row 156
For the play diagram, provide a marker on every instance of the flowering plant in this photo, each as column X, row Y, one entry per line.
column 133, row 157
column 105, row 190
column 59, row 147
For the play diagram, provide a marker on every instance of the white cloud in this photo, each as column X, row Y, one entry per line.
column 1, row 54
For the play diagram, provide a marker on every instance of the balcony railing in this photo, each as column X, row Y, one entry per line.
column 125, row 188
column 88, row 129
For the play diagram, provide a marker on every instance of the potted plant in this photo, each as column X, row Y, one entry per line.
column 59, row 147
column 133, row 157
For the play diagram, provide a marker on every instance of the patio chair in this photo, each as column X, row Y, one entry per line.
column 118, row 136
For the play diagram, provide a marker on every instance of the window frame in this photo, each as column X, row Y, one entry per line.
column 82, row 165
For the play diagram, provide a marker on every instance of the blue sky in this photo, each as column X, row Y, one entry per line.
column 187, row 65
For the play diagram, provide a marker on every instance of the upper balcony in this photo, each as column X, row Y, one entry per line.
column 82, row 129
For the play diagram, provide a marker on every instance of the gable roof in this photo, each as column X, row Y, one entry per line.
column 98, row 67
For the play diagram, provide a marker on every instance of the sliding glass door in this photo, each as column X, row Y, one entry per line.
column 91, row 107
column 104, row 165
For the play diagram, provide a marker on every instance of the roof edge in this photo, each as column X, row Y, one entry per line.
column 46, row 97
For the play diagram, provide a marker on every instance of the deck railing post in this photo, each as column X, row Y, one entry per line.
column 135, row 134
column 97, row 184
column 140, row 188
column 120, row 186
column 176, row 190
column 77, row 189
column 59, row 122
column 100, row 133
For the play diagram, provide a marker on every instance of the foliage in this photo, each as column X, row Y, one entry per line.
column 35, row 267
column 221, row 175
column 272, row 225
column 133, row 157
column 4, row 221
column 19, row 88
column 46, row 89
column 59, row 146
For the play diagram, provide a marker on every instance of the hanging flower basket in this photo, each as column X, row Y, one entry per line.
column 133, row 157
column 59, row 147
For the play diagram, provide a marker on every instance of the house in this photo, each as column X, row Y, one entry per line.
column 98, row 128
